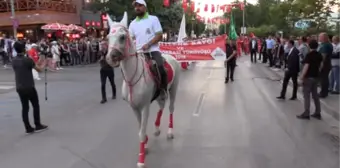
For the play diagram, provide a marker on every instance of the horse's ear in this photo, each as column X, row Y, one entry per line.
column 124, row 21
column 109, row 20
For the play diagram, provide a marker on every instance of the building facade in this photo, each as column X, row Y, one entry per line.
column 30, row 15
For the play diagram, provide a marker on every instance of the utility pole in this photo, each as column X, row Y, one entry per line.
column 14, row 21
column 243, row 17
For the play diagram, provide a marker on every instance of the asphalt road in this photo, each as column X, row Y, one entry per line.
column 216, row 125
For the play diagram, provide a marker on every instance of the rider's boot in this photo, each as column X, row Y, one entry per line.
column 163, row 84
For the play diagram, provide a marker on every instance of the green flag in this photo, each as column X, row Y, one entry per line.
column 232, row 31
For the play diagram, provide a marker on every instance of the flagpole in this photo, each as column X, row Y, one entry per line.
column 243, row 15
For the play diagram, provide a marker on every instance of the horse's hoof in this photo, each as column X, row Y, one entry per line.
column 157, row 132
column 140, row 165
column 170, row 136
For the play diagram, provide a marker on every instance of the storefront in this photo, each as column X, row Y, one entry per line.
column 30, row 22
column 92, row 23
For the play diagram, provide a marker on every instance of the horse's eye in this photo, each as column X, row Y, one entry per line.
column 122, row 38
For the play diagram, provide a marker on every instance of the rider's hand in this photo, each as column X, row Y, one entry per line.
column 145, row 47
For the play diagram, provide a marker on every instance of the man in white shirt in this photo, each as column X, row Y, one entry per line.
column 303, row 48
column 147, row 31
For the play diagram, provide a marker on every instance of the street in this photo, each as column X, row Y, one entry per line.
column 216, row 125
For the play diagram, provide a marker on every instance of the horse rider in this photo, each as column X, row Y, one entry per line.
column 147, row 31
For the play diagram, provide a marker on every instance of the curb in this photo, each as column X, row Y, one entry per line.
column 328, row 109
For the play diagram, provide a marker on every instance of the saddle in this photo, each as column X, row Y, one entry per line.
column 156, row 74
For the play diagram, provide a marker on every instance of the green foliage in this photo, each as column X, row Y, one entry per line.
column 170, row 17
column 263, row 30
column 270, row 16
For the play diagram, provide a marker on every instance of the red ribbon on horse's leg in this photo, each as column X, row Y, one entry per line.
column 171, row 125
column 142, row 146
column 141, row 153
column 159, row 117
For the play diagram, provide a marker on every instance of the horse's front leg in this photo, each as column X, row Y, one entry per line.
column 143, row 138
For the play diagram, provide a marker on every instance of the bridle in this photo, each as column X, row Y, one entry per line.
column 127, row 47
column 127, row 55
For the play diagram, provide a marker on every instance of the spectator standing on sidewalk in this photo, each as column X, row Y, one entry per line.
column 74, row 52
column 3, row 53
column 309, row 79
column 270, row 43
column 278, row 54
column 303, row 47
column 334, row 76
column 264, row 50
column 28, row 44
column 24, row 81
column 65, row 52
column 292, row 71
column 326, row 50
column 55, row 50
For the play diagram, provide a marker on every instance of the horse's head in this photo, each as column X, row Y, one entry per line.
column 119, row 41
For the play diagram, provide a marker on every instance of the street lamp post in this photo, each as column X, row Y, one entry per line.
column 14, row 21
column 243, row 14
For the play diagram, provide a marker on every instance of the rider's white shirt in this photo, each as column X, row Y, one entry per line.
column 144, row 30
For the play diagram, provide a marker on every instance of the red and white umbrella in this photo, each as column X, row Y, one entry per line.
column 76, row 28
column 56, row 26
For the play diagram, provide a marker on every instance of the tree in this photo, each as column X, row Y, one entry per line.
column 282, row 15
column 337, row 28
column 170, row 17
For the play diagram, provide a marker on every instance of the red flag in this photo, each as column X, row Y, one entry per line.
column 206, row 8
column 242, row 6
column 198, row 7
column 223, row 8
column 192, row 6
column 215, row 20
column 212, row 8
column 184, row 5
column 166, row 3
column 252, row 35
column 229, row 8
column 198, row 17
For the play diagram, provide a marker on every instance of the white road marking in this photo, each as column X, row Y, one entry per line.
column 199, row 105
column 3, row 87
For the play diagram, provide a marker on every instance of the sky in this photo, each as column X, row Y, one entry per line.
column 220, row 13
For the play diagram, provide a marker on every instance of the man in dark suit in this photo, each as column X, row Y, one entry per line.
column 253, row 49
column 264, row 50
column 292, row 70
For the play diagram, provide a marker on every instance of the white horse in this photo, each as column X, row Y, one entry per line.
column 140, row 85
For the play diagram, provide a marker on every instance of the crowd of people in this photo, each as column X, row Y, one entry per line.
column 56, row 53
column 311, row 60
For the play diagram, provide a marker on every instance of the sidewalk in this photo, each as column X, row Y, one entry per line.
column 329, row 104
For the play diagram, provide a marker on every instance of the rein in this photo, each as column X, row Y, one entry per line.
column 127, row 55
